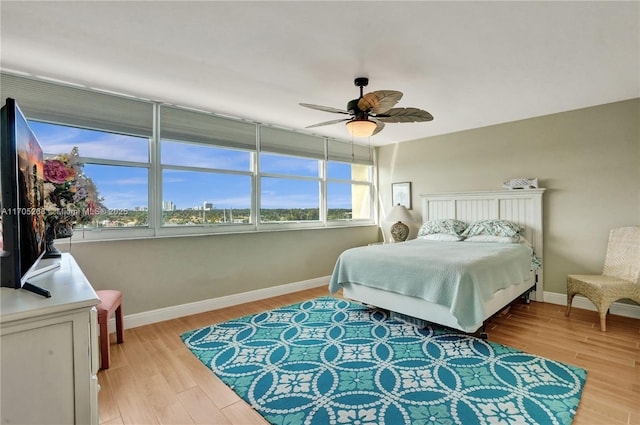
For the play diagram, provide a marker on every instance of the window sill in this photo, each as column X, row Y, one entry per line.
column 119, row 234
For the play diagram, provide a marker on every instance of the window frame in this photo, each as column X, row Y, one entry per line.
column 286, row 224
column 155, row 168
column 163, row 229
column 352, row 182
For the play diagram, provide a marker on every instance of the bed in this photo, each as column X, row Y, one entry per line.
column 458, row 284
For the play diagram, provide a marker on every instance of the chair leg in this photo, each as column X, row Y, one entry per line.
column 104, row 345
column 603, row 322
column 603, row 309
column 119, row 330
column 569, row 301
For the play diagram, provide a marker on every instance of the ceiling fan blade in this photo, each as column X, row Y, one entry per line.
column 320, row 124
column 405, row 115
column 379, row 127
column 324, row 108
column 379, row 101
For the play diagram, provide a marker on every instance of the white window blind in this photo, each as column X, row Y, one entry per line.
column 191, row 126
column 275, row 140
column 348, row 152
column 75, row 106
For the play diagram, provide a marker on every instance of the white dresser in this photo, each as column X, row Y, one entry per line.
column 49, row 350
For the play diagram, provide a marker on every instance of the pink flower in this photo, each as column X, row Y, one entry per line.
column 55, row 171
column 71, row 196
column 92, row 208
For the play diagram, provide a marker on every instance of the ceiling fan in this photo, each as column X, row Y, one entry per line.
column 370, row 112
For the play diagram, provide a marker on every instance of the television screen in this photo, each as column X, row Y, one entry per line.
column 22, row 183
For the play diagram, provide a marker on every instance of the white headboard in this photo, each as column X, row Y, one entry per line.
column 522, row 206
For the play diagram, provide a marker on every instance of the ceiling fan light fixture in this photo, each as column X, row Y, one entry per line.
column 361, row 127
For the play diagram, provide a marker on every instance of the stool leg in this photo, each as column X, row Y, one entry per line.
column 119, row 331
column 104, row 345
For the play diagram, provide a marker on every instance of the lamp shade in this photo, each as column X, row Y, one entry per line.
column 399, row 213
column 361, row 127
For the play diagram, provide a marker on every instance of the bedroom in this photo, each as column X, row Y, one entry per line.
column 584, row 148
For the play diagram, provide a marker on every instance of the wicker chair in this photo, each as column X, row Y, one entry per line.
column 619, row 278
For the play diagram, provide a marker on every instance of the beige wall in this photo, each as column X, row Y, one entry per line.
column 588, row 159
column 163, row 272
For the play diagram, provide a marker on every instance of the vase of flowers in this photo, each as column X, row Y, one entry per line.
column 71, row 198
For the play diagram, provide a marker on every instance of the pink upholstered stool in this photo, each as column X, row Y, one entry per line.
column 111, row 301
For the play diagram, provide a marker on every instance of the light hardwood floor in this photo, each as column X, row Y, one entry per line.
column 154, row 379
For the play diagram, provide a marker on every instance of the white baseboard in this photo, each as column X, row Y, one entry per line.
column 173, row 312
column 627, row 310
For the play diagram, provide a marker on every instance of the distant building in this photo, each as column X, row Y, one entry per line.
column 168, row 206
column 207, row 206
column 141, row 208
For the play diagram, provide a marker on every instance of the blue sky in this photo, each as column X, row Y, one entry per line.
column 127, row 187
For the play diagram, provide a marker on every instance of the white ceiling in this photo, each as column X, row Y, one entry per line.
column 470, row 64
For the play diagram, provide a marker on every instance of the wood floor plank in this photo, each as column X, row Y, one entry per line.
column 221, row 395
column 594, row 406
column 200, row 407
column 171, row 367
column 117, row 355
column 134, row 407
column 108, row 407
column 590, row 416
column 242, row 413
column 169, row 332
column 165, row 402
column 137, row 355
column 154, row 356
column 621, row 385
column 114, row 421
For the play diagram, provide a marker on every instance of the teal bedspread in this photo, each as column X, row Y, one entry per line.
column 458, row 275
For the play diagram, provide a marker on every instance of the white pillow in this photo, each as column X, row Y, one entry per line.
column 491, row 238
column 441, row 237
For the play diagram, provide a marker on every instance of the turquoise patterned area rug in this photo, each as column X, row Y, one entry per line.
column 330, row 361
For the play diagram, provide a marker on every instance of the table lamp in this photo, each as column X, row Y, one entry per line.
column 399, row 230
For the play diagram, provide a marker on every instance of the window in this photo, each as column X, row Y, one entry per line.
column 349, row 182
column 193, row 197
column 204, row 156
column 205, row 185
column 290, row 176
column 125, row 191
column 207, row 169
column 289, row 189
column 118, row 165
column 165, row 170
column 348, row 191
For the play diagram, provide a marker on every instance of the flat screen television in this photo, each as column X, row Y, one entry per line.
column 22, row 184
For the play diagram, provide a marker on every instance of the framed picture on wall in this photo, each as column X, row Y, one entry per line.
column 401, row 194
